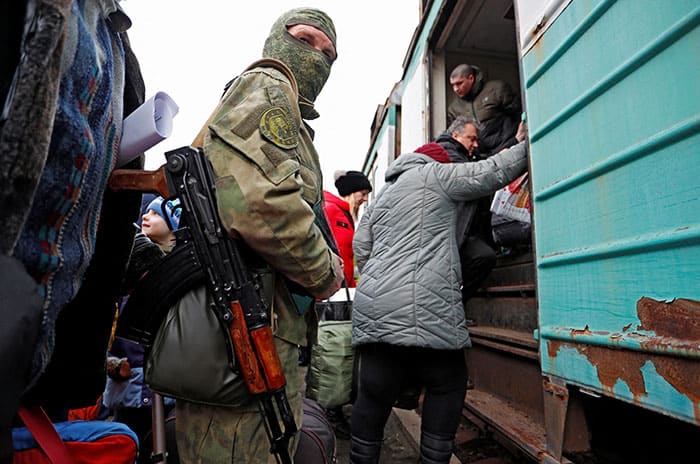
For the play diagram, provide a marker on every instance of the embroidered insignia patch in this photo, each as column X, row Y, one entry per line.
column 278, row 126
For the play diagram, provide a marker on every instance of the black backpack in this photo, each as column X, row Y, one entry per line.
column 316, row 437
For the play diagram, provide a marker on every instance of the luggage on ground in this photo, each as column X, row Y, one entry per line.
column 316, row 437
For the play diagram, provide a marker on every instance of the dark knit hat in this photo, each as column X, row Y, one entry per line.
column 435, row 151
column 348, row 182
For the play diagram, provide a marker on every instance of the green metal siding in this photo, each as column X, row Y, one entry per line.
column 613, row 99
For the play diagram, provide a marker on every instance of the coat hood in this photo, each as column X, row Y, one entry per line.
column 405, row 162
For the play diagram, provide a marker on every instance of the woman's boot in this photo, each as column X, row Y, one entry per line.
column 435, row 449
column 363, row 451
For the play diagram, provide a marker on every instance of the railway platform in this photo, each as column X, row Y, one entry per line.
column 402, row 437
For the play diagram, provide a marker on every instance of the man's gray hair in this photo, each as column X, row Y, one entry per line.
column 460, row 122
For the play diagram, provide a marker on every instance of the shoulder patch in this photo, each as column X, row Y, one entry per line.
column 278, row 126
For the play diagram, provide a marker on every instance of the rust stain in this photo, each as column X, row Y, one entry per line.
column 678, row 319
column 555, row 390
column 610, row 368
column 585, row 331
column 625, row 365
column 540, row 24
column 538, row 50
column 552, row 348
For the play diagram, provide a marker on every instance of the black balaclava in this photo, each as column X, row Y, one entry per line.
column 310, row 67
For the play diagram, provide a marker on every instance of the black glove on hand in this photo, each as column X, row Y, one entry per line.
column 144, row 255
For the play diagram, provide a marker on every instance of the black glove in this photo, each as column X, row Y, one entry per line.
column 144, row 255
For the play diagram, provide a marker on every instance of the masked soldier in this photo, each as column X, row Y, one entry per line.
column 269, row 189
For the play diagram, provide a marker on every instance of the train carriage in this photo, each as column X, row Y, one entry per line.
column 587, row 337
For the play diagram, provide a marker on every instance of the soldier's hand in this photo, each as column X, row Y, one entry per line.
column 337, row 282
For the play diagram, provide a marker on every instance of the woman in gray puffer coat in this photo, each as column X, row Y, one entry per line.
column 408, row 316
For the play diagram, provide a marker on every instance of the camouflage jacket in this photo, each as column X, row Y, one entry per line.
column 268, row 180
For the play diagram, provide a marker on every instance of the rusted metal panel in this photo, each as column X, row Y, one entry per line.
column 647, row 364
column 556, row 401
column 678, row 320
column 512, row 378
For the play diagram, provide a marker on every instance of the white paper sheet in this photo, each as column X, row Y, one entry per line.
column 151, row 123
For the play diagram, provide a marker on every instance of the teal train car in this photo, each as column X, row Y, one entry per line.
column 587, row 336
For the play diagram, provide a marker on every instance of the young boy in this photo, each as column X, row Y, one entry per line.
column 126, row 394
column 160, row 220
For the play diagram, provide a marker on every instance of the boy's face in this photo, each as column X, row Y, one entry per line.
column 154, row 227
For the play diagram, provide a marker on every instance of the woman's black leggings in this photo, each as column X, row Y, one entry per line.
column 381, row 371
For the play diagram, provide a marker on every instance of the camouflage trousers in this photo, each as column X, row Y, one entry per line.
column 215, row 434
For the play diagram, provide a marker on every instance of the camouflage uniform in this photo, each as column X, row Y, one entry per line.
column 268, row 179
column 209, row 434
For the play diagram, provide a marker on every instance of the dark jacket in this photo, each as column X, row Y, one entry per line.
column 467, row 210
column 457, row 152
column 496, row 107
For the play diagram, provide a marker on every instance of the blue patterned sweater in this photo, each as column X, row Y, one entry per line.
column 59, row 235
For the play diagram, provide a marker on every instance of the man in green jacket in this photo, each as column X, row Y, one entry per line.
column 269, row 187
column 492, row 104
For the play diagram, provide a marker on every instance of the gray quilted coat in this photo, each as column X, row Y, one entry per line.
column 406, row 250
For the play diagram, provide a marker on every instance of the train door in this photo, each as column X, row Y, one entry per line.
column 585, row 339
column 503, row 361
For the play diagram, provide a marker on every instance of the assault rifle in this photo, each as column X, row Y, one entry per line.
column 238, row 304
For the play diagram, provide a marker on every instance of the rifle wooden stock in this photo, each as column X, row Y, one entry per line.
column 267, row 353
column 140, row 180
column 245, row 355
column 270, row 385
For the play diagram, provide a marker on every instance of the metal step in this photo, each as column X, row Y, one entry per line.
column 508, row 422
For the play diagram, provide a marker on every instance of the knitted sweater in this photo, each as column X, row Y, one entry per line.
column 82, row 78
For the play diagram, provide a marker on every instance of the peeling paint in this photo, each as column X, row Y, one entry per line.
column 613, row 365
column 585, row 331
column 555, row 390
column 678, row 319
